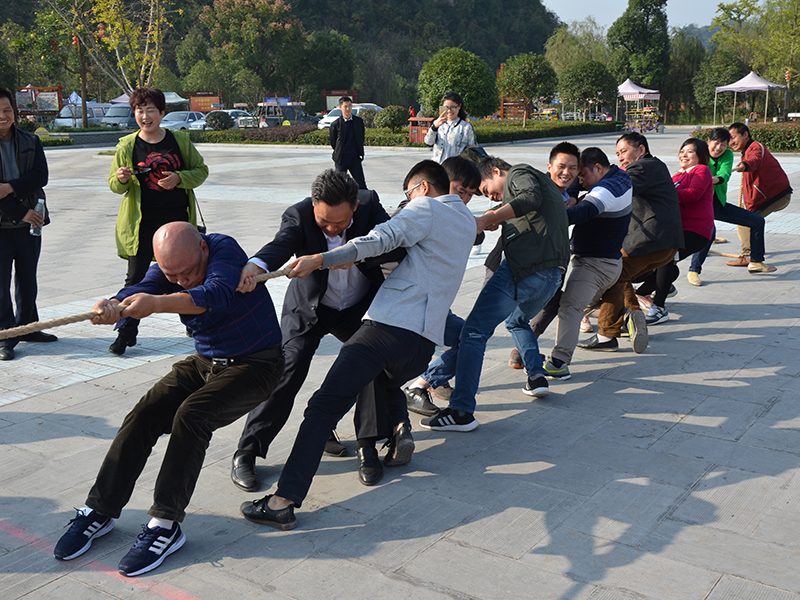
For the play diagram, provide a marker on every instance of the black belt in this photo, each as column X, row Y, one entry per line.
column 268, row 354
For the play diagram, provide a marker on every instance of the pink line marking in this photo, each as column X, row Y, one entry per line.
column 161, row 589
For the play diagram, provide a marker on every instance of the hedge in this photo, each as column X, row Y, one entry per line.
column 510, row 130
column 378, row 136
column 56, row 141
column 777, row 137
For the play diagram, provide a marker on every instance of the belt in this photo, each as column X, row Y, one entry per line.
column 268, row 354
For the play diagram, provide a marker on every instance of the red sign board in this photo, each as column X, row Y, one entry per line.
column 204, row 103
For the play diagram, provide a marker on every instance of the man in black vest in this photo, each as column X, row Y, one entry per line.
column 23, row 174
column 347, row 141
column 328, row 301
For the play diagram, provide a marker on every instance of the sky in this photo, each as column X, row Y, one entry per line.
column 605, row 12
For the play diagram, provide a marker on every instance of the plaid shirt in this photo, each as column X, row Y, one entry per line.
column 234, row 324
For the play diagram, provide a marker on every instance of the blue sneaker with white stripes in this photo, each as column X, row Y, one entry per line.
column 450, row 420
column 84, row 528
column 151, row 548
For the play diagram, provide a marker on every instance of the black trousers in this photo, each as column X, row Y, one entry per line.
column 352, row 163
column 19, row 251
column 195, row 399
column 380, row 356
column 266, row 420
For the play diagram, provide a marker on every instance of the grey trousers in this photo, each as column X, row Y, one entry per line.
column 588, row 279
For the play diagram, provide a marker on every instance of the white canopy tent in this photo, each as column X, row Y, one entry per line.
column 633, row 93
column 749, row 83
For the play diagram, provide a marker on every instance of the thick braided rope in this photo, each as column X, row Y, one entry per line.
column 42, row 325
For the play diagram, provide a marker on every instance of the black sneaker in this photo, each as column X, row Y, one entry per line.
column 401, row 446
column 122, row 343
column 334, row 447
column 450, row 420
column 418, row 400
column 536, row 387
column 258, row 511
column 592, row 343
column 151, row 548
column 83, row 529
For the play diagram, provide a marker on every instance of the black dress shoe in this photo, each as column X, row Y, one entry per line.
column 243, row 472
column 6, row 353
column 39, row 336
column 370, row 469
column 401, row 446
column 122, row 343
column 594, row 344
column 258, row 511
column 333, row 447
column 418, row 400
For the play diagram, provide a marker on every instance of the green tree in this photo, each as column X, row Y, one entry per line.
column 687, row 54
column 454, row 69
column 588, row 84
column 167, row 81
column 8, row 74
column 247, row 87
column 527, row 76
column 329, row 64
column 204, row 77
column 738, row 29
column 724, row 66
column 393, row 117
column 576, row 42
column 192, row 49
column 779, row 50
column 640, row 43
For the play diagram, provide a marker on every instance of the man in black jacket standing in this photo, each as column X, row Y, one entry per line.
column 328, row 301
column 347, row 141
column 23, row 174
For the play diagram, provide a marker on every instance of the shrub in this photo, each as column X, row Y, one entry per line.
column 368, row 115
column 285, row 133
column 228, row 136
column 26, row 125
column 219, row 121
column 394, row 117
column 56, row 141
column 776, row 137
column 456, row 70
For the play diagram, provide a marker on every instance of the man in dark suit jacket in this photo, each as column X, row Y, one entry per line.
column 347, row 141
column 328, row 301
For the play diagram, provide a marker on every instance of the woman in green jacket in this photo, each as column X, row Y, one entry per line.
column 157, row 170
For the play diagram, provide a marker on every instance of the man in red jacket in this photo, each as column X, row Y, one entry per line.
column 765, row 186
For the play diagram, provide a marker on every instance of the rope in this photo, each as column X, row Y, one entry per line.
column 728, row 254
column 42, row 325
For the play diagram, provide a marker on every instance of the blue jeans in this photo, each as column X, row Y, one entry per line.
column 443, row 369
column 501, row 298
column 735, row 216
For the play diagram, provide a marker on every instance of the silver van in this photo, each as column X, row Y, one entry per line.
column 72, row 114
column 120, row 115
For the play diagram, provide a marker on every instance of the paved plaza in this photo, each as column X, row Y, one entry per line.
column 670, row 475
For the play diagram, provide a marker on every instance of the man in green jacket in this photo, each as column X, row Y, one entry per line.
column 536, row 249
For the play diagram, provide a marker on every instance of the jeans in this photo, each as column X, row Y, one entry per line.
column 501, row 298
column 443, row 369
column 195, row 399
column 735, row 216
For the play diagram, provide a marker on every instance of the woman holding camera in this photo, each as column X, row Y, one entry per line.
column 157, row 170
column 451, row 133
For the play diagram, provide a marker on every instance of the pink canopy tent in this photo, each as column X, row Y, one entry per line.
column 749, row 83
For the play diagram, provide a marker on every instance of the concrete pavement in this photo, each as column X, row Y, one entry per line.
column 667, row 475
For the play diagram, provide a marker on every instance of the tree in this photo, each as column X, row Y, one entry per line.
column 576, row 42
column 738, row 30
column 640, row 43
column 723, row 67
column 204, row 77
column 192, row 50
column 166, row 80
column 329, row 64
column 528, row 76
column 587, row 83
column 454, row 69
column 8, row 75
column 687, row 54
column 779, row 50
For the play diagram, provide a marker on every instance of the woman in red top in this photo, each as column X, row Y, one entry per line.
column 696, row 196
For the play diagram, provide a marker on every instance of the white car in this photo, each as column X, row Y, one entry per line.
column 180, row 119
column 241, row 119
column 326, row 121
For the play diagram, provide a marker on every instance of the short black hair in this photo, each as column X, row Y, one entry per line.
column 7, row 93
column 740, row 128
column 564, row 148
column 719, row 134
column 334, row 188
column 594, row 156
column 635, row 139
column 344, row 99
column 148, row 95
column 489, row 163
column 463, row 171
column 433, row 173
column 700, row 148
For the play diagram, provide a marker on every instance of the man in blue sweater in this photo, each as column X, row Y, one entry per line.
column 601, row 221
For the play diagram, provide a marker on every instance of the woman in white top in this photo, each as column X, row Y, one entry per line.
column 451, row 133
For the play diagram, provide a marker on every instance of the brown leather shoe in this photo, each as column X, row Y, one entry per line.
column 742, row 261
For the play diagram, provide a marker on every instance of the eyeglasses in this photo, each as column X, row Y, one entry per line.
column 450, row 108
column 407, row 192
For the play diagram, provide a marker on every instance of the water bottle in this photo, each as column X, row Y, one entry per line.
column 37, row 231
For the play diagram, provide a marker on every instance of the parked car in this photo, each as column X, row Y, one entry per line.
column 241, row 119
column 120, row 115
column 180, row 119
column 272, row 115
column 335, row 113
column 72, row 114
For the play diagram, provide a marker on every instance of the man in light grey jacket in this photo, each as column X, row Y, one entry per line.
column 403, row 325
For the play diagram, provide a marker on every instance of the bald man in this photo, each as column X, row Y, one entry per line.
column 237, row 365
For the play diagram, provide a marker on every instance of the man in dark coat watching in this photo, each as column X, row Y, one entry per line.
column 347, row 141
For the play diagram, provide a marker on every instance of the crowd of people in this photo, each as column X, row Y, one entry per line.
column 383, row 285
